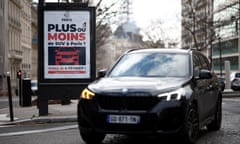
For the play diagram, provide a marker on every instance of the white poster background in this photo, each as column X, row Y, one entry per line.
column 64, row 18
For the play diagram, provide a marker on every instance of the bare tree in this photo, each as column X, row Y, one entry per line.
column 202, row 25
column 204, row 28
column 105, row 13
column 188, row 21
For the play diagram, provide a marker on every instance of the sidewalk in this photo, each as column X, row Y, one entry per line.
column 57, row 113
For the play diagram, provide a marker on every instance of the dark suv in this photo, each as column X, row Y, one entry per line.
column 152, row 91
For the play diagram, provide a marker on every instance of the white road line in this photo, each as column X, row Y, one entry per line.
column 3, row 126
column 38, row 131
column 4, row 117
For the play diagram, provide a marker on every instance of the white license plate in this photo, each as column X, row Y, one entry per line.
column 123, row 119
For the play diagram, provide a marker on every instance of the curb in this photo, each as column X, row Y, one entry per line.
column 42, row 120
column 56, row 119
column 231, row 94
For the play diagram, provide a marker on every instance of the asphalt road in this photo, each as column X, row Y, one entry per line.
column 68, row 133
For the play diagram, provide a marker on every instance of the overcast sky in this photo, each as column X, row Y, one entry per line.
column 167, row 11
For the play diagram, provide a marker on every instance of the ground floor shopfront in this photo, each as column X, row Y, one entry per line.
column 226, row 50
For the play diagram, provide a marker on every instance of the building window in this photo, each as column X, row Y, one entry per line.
column 233, row 63
column 228, row 47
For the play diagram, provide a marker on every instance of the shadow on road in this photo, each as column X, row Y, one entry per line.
column 141, row 139
column 156, row 139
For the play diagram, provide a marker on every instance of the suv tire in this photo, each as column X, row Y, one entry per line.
column 190, row 132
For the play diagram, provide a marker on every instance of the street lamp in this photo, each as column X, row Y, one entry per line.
column 220, row 55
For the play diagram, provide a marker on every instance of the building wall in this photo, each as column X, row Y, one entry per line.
column 125, row 37
column 26, row 38
column 3, row 42
column 222, row 32
column 227, row 12
column 34, row 65
column 15, row 41
column 196, row 21
column 15, row 51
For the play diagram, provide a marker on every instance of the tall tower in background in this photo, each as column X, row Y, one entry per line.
column 127, row 10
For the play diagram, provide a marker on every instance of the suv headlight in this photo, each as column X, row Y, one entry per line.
column 174, row 95
column 87, row 94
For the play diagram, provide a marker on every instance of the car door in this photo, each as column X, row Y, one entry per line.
column 199, row 88
column 210, row 89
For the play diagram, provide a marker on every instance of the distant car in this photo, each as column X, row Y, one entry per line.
column 235, row 81
column 34, row 87
column 152, row 91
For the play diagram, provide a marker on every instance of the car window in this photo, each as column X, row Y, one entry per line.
column 204, row 62
column 152, row 65
column 196, row 61
column 237, row 75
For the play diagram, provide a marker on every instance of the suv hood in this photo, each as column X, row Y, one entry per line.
column 136, row 84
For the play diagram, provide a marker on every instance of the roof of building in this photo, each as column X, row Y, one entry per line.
column 125, row 29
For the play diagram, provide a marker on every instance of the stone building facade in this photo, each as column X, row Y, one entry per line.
column 124, row 38
column 197, row 18
column 26, row 38
column 15, row 41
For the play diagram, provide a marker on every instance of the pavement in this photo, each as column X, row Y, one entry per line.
column 57, row 112
column 29, row 114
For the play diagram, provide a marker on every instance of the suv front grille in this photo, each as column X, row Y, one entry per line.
column 114, row 102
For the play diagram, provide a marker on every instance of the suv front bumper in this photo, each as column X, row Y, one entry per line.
column 165, row 117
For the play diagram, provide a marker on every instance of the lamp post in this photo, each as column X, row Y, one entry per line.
column 220, row 55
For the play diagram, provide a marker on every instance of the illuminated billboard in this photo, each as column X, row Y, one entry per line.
column 67, row 44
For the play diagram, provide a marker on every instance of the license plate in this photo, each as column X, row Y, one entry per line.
column 123, row 119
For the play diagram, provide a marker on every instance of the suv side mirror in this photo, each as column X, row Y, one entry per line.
column 205, row 74
column 101, row 73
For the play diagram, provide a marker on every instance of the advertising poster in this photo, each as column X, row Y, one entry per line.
column 66, row 44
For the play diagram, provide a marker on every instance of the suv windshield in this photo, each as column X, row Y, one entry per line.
column 152, row 65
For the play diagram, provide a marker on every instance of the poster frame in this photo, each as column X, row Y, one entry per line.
column 42, row 65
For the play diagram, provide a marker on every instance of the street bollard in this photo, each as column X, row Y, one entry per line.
column 10, row 97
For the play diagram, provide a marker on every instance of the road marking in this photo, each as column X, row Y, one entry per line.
column 232, row 100
column 3, row 126
column 38, row 131
column 3, row 117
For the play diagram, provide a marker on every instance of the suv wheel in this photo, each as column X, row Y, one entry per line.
column 216, row 123
column 191, row 126
column 92, row 137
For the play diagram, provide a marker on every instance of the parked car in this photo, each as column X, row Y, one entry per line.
column 34, row 87
column 235, row 81
column 152, row 91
